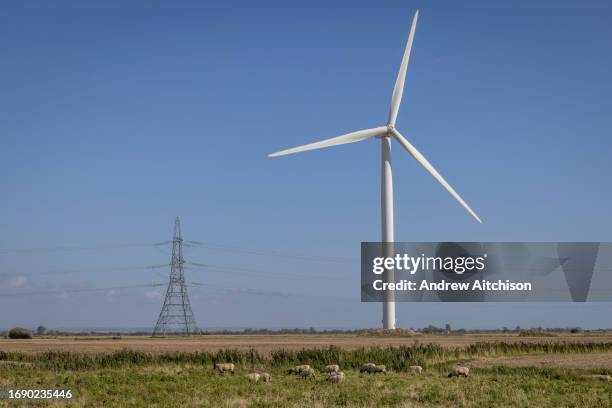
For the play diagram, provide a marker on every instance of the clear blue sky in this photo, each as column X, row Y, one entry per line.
column 117, row 117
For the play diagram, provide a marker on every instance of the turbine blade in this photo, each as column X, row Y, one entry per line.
column 348, row 138
column 423, row 162
column 398, row 90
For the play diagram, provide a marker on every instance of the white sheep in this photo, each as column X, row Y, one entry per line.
column 332, row 368
column 307, row 372
column 459, row 371
column 599, row 377
column 379, row 369
column 416, row 369
column 224, row 367
column 298, row 369
column 265, row 377
column 253, row 377
column 336, row 377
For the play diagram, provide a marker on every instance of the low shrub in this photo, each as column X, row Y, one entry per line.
column 19, row 333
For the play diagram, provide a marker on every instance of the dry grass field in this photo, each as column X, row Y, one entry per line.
column 267, row 343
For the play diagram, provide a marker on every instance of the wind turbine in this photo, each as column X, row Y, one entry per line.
column 385, row 134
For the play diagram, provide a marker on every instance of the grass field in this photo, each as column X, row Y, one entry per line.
column 545, row 372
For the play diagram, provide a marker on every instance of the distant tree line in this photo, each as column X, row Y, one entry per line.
column 19, row 332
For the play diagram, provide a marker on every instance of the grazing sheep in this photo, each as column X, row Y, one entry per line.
column 336, row 377
column 298, row 369
column 599, row 377
column 459, row 371
column 379, row 369
column 307, row 373
column 253, row 377
column 224, row 367
column 372, row 368
column 332, row 368
column 367, row 368
column 265, row 377
column 416, row 369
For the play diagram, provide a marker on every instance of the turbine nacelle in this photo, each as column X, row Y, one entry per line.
column 388, row 133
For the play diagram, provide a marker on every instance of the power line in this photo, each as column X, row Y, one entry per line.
column 220, row 247
column 84, row 290
column 191, row 265
column 193, row 244
column 87, row 270
column 253, row 272
column 273, row 253
column 71, row 248
column 251, row 291
column 263, row 292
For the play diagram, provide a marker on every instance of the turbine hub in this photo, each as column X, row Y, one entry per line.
column 390, row 129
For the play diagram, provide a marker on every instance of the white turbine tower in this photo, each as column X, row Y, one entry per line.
column 385, row 133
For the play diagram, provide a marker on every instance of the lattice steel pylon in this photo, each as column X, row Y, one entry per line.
column 176, row 316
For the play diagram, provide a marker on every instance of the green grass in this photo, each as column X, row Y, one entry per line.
column 172, row 385
column 395, row 358
column 133, row 379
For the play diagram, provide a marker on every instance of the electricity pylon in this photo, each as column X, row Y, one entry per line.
column 176, row 316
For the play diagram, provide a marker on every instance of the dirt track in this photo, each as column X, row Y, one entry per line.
column 266, row 343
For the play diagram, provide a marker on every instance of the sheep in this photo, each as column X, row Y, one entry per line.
column 224, row 367
column 307, row 373
column 379, row 369
column 367, row 367
column 599, row 377
column 298, row 369
column 336, row 377
column 459, row 371
column 416, row 369
column 253, row 377
column 372, row 368
column 332, row 368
